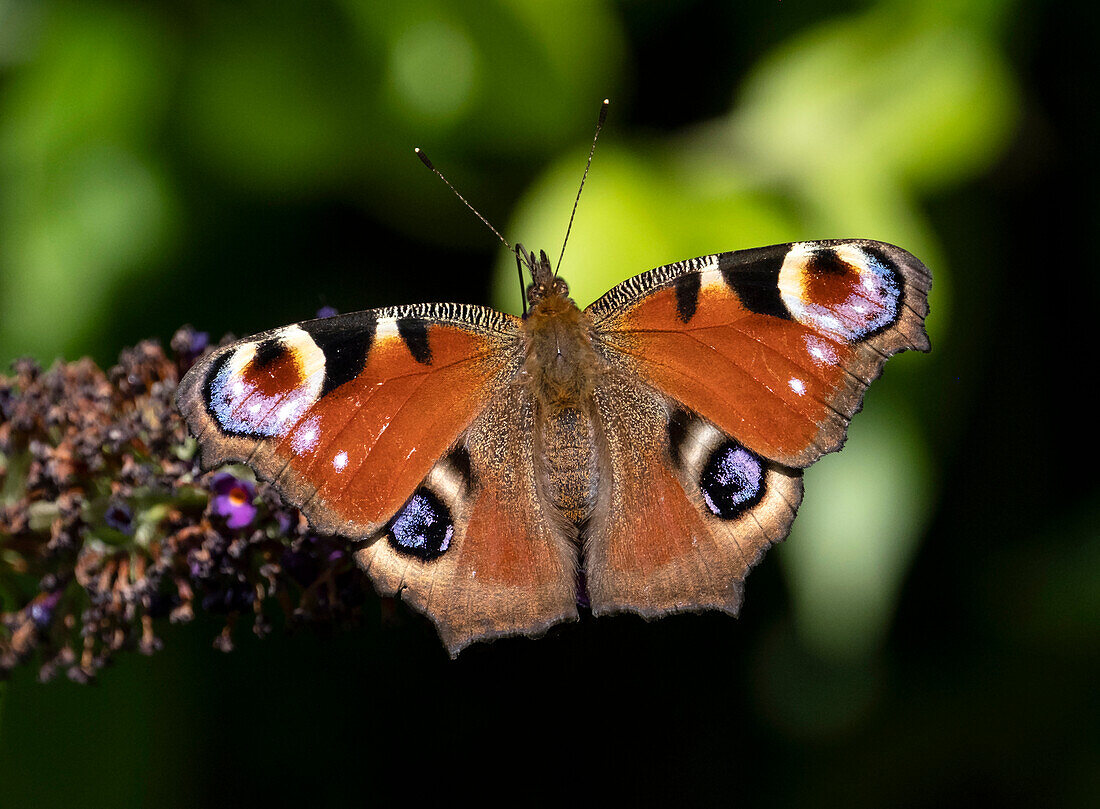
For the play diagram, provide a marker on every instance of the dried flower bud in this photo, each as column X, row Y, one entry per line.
column 107, row 527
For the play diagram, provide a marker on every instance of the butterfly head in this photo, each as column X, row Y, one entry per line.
column 556, row 288
column 544, row 282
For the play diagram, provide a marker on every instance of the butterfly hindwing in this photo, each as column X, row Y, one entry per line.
column 775, row 345
column 684, row 511
column 505, row 570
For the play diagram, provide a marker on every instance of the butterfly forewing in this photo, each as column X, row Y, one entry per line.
column 776, row 345
column 347, row 415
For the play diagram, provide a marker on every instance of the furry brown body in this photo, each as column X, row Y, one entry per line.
column 560, row 370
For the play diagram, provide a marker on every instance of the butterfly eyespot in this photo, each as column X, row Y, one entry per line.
column 262, row 388
column 846, row 292
column 268, row 353
column 732, row 481
column 424, row 528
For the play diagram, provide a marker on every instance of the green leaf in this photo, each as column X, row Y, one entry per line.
column 41, row 514
column 83, row 203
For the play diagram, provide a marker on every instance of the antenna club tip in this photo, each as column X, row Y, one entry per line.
column 423, row 158
column 603, row 112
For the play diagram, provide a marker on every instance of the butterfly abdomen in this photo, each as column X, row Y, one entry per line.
column 568, row 464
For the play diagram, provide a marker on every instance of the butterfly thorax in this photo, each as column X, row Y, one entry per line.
column 560, row 369
column 560, row 361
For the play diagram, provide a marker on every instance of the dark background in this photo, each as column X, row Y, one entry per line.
column 236, row 166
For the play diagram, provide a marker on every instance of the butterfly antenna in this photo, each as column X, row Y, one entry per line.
column 588, row 165
column 522, row 259
column 519, row 261
column 424, row 159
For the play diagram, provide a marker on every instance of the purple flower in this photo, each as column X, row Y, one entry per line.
column 189, row 344
column 42, row 609
column 119, row 517
column 326, row 311
column 199, row 341
column 233, row 499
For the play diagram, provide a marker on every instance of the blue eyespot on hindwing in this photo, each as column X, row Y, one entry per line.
column 732, row 480
column 423, row 528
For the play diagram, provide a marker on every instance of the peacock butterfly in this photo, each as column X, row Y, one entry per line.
column 642, row 453
column 639, row 455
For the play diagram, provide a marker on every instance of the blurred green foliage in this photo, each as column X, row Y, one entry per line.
column 930, row 635
column 110, row 112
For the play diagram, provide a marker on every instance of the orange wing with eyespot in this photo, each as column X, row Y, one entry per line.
column 775, row 345
column 346, row 415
